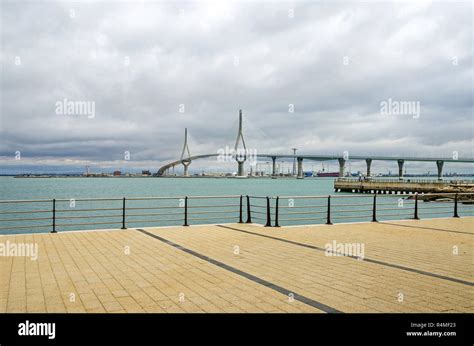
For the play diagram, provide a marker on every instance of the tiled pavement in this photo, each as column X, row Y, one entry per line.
column 409, row 266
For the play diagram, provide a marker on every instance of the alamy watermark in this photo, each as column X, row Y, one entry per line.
column 393, row 107
column 37, row 329
column 335, row 249
column 228, row 154
column 69, row 107
column 10, row 249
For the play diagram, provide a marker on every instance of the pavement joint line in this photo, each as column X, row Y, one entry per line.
column 430, row 228
column 397, row 266
column 256, row 279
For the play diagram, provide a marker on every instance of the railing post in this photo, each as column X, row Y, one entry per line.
column 456, row 205
column 54, row 216
column 276, row 212
column 186, row 211
column 374, row 211
column 328, row 222
column 240, row 209
column 269, row 221
column 123, row 214
column 416, row 207
column 249, row 216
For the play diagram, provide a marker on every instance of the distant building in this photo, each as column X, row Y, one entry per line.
column 117, row 173
column 146, row 172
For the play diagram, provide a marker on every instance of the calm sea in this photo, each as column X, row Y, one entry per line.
column 74, row 214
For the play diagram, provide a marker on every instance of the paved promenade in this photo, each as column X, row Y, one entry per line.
column 400, row 266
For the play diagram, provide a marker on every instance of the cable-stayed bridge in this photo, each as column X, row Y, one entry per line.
column 240, row 155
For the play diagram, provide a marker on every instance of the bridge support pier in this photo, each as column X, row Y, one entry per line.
column 342, row 164
column 368, row 162
column 274, row 165
column 400, row 169
column 186, row 165
column 440, row 164
column 240, row 168
column 300, row 168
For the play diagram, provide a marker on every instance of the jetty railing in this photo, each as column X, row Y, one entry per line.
column 132, row 212
column 405, row 179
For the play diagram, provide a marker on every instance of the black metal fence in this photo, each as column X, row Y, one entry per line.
column 56, row 214
column 329, row 209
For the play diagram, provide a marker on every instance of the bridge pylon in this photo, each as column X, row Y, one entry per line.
column 439, row 164
column 239, row 156
column 185, row 160
column 400, row 168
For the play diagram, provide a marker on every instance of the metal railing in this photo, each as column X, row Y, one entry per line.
column 375, row 207
column 186, row 210
column 405, row 180
column 119, row 212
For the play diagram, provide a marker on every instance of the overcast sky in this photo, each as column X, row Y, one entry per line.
column 151, row 69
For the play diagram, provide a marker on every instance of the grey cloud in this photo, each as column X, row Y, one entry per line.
column 401, row 51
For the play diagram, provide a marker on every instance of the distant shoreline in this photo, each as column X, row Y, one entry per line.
column 48, row 176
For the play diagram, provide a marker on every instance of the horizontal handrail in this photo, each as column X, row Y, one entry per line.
column 437, row 207
column 151, row 208
column 303, row 206
column 347, row 217
column 25, row 212
column 399, row 209
column 80, row 210
column 152, row 198
column 214, row 206
column 160, row 220
column 26, row 227
column 304, row 212
column 408, row 202
column 27, row 219
column 26, row 201
column 301, row 197
column 259, row 212
column 353, row 211
column 234, row 196
column 258, row 206
column 379, row 195
column 86, row 217
column 114, row 199
column 88, row 224
column 210, row 197
column 304, row 218
column 209, row 212
column 153, row 214
column 205, row 218
column 355, row 205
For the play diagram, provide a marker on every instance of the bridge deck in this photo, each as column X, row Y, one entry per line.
column 162, row 169
column 408, row 266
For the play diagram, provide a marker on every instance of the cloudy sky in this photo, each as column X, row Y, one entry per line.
column 310, row 75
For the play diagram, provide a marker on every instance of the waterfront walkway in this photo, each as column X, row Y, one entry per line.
column 407, row 266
